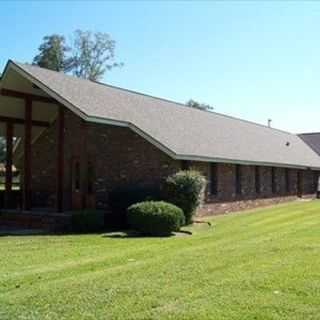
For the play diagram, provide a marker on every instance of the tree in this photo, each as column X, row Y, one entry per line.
column 89, row 55
column 93, row 54
column 201, row 106
column 53, row 54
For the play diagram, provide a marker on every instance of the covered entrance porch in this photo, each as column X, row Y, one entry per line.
column 26, row 112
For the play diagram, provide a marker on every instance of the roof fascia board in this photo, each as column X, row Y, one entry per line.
column 243, row 162
column 2, row 77
column 63, row 101
column 107, row 121
column 47, row 90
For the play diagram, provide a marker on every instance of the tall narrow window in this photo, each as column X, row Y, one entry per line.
column 257, row 180
column 315, row 180
column 213, row 181
column 185, row 164
column 273, row 180
column 238, row 180
column 287, row 177
column 76, row 176
column 90, row 177
column 299, row 182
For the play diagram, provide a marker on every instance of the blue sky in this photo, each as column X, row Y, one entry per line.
column 254, row 60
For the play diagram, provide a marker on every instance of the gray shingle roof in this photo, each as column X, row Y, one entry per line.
column 183, row 132
column 312, row 139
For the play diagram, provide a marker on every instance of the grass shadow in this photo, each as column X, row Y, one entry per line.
column 125, row 234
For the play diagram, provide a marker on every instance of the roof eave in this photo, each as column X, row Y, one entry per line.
column 245, row 162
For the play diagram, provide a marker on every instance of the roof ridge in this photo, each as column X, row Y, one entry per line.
column 158, row 98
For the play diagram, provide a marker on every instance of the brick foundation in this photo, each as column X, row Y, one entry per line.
column 210, row 209
column 31, row 220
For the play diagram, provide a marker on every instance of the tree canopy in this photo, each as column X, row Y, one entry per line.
column 93, row 54
column 198, row 105
column 53, row 54
column 88, row 56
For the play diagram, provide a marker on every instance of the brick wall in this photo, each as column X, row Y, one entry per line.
column 120, row 157
column 227, row 200
column 44, row 169
column 124, row 158
column 226, row 181
column 44, row 162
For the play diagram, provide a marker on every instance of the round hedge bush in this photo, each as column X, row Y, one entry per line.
column 156, row 218
column 184, row 189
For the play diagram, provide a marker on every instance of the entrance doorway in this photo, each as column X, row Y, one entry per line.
column 82, row 184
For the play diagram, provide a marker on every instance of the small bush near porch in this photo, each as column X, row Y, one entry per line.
column 155, row 218
column 263, row 264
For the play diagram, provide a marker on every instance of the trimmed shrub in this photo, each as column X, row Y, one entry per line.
column 183, row 189
column 87, row 220
column 156, row 218
column 122, row 198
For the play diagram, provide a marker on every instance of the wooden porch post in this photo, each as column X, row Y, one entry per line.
column 27, row 155
column 60, row 159
column 8, row 181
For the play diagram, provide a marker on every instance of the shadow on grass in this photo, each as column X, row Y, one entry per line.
column 25, row 232
column 112, row 233
column 125, row 234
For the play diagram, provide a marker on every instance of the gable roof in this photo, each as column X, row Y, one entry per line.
column 182, row 132
column 312, row 139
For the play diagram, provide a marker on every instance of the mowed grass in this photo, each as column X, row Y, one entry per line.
column 262, row 264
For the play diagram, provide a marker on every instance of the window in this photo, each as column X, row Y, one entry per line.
column 213, row 179
column 273, row 180
column 315, row 180
column 238, row 180
column 287, row 177
column 76, row 176
column 299, row 182
column 90, row 177
column 257, row 179
column 185, row 164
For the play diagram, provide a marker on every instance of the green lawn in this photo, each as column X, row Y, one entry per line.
column 263, row 264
